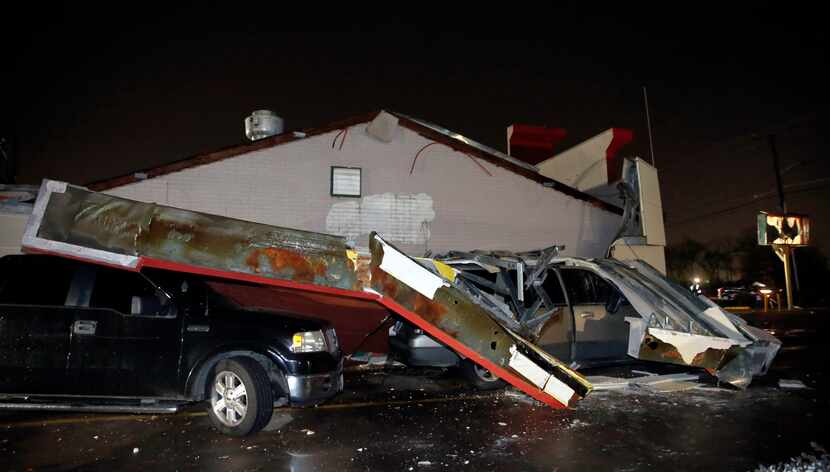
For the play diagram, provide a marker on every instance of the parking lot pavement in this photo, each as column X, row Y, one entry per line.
column 428, row 420
column 421, row 420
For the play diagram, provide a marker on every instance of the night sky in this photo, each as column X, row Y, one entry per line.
column 92, row 93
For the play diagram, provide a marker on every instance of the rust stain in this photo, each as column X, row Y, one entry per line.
column 283, row 259
column 709, row 358
column 252, row 260
column 656, row 350
column 429, row 310
column 320, row 268
column 386, row 284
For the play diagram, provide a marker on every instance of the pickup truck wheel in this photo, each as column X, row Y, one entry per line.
column 241, row 400
column 480, row 377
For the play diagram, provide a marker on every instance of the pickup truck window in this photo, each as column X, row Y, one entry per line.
column 128, row 293
column 34, row 281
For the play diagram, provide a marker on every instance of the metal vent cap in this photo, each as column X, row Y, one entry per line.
column 262, row 124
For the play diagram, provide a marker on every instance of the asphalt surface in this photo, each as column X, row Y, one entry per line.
column 421, row 420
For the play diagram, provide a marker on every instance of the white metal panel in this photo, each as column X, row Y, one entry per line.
column 654, row 255
column 582, row 166
column 651, row 205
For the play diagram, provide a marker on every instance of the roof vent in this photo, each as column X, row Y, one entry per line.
column 263, row 123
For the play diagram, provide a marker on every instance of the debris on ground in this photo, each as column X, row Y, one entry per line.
column 803, row 463
column 643, row 372
column 518, row 395
column 792, row 384
column 657, row 383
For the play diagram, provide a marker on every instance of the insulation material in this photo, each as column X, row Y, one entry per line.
column 401, row 218
column 690, row 346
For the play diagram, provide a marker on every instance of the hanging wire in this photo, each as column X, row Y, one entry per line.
column 418, row 154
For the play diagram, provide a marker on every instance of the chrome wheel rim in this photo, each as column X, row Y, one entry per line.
column 229, row 399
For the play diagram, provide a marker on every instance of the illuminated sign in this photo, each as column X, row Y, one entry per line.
column 789, row 230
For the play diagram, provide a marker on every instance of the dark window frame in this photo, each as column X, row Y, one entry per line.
column 360, row 185
column 168, row 312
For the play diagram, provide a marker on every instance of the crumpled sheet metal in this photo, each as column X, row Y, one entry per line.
column 676, row 330
column 73, row 221
column 451, row 316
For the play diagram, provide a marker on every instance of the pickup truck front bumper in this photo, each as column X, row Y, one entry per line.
column 312, row 389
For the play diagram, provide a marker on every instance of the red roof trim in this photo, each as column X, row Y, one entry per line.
column 621, row 137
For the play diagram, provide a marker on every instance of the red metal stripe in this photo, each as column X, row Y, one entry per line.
column 224, row 274
column 501, row 372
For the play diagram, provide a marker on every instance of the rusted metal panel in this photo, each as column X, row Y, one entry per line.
column 74, row 221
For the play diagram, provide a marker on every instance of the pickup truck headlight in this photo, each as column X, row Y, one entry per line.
column 308, row 341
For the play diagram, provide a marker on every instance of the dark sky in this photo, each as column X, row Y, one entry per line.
column 93, row 93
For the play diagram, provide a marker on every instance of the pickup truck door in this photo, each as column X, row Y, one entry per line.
column 34, row 324
column 126, row 339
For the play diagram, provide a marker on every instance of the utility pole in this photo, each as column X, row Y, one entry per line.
column 784, row 251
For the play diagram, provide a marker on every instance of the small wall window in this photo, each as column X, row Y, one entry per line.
column 345, row 181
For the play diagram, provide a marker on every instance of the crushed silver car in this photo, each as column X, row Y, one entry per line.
column 593, row 311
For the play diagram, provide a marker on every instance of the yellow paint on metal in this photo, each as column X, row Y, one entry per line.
column 352, row 255
column 445, row 270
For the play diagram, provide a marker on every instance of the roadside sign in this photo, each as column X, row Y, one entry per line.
column 790, row 229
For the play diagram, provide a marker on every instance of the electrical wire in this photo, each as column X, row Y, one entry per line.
column 343, row 133
column 811, row 185
column 472, row 158
column 417, row 154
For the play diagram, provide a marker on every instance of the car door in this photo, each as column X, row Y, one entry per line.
column 126, row 338
column 557, row 335
column 34, row 324
column 599, row 334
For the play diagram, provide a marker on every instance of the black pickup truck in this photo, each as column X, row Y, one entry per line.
column 81, row 337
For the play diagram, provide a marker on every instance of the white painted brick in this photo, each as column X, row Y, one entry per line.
column 288, row 185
